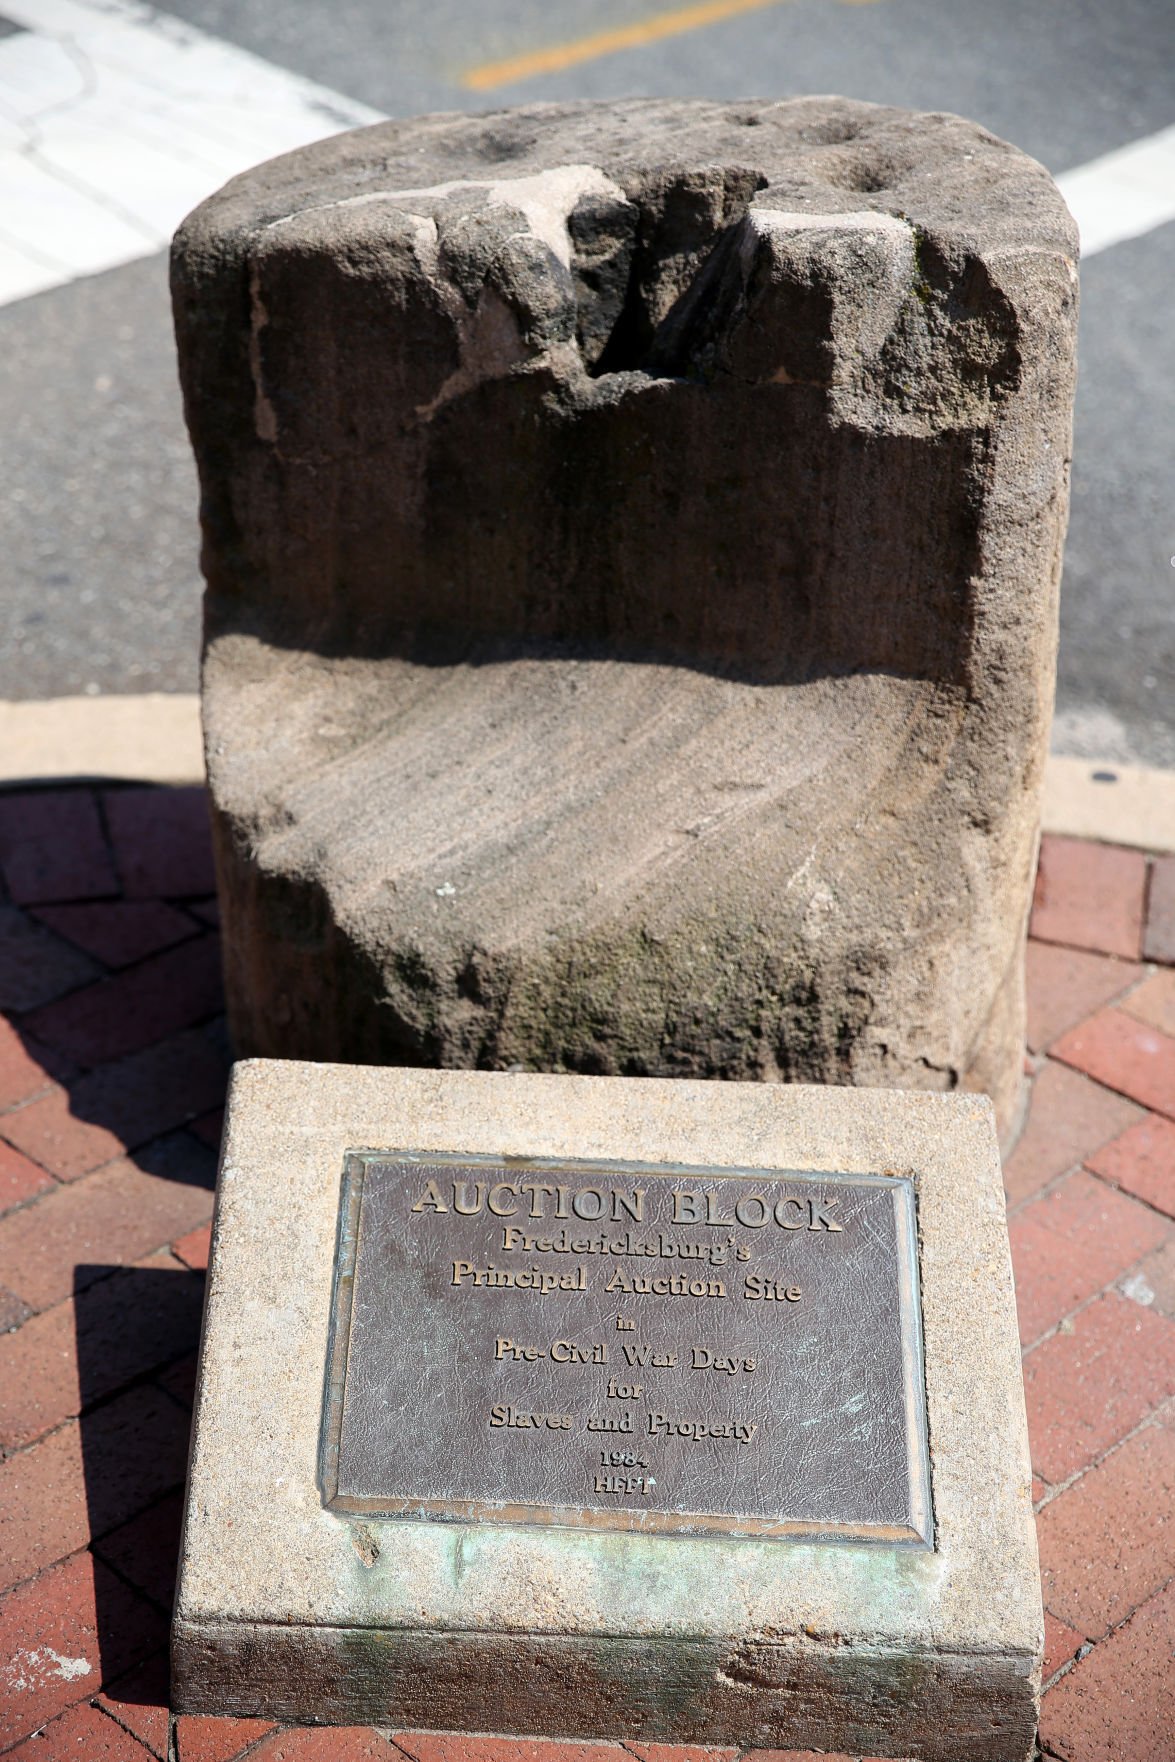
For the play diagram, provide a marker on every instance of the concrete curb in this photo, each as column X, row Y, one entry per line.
column 151, row 738
column 1115, row 804
column 155, row 738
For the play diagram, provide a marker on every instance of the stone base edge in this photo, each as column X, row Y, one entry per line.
column 830, row 1694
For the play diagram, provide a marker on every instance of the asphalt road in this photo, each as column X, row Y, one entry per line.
column 97, row 529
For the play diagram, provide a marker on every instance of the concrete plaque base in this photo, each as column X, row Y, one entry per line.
column 792, row 1308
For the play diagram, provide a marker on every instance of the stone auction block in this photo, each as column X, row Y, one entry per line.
column 593, row 1407
column 632, row 536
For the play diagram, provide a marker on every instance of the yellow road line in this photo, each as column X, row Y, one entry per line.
column 629, row 36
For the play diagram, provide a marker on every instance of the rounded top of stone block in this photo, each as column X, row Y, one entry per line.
column 819, row 155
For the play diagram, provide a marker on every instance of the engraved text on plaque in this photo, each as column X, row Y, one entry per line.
column 610, row 1345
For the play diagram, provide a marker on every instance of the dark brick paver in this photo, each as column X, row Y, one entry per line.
column 113, row 1060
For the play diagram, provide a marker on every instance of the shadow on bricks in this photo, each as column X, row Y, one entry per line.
column 112, row 1042
column 113, row 1062
column 134, row 1428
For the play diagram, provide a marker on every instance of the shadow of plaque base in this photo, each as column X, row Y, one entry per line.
column 601, row 1408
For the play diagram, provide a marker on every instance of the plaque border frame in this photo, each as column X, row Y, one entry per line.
column 919, row 1534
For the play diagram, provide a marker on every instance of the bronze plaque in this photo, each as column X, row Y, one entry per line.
column 626, row 1346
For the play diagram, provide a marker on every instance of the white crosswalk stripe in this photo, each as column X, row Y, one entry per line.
column 115, row 120
column 1123, row 194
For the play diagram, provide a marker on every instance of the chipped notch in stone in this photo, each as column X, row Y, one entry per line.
column 675, row 275
column 664, row 277
column 674, row 223
column 629, row 255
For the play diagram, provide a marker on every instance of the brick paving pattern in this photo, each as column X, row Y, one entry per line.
column 113, row 1058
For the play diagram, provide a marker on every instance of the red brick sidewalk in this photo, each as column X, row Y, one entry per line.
column 112, row 1067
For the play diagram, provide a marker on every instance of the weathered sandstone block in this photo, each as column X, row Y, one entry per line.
column 632, row 536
